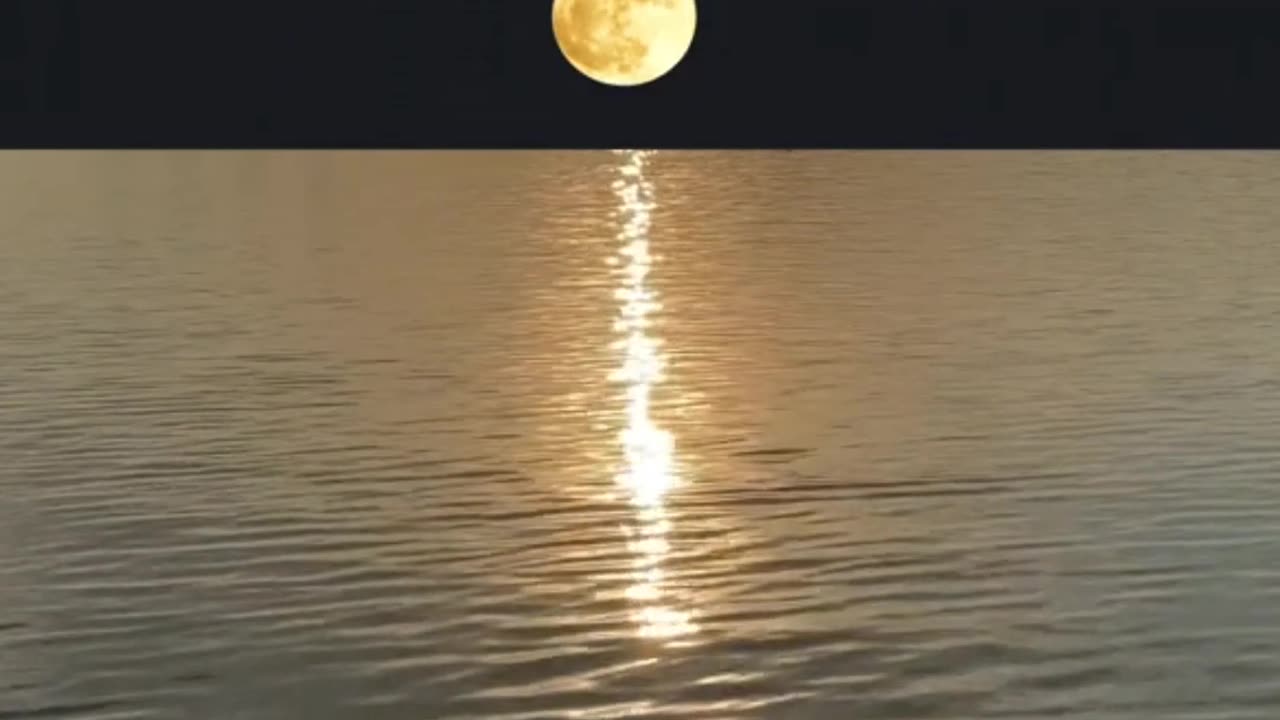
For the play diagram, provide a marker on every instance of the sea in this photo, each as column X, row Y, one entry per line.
column 584, row 435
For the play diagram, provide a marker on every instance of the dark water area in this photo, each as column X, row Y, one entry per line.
column 590, row 435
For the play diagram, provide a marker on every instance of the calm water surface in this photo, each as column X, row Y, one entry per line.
column 599, row 435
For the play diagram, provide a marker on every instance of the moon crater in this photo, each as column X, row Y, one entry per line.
column 624, row 42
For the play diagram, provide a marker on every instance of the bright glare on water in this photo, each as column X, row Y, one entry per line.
column 542, row 435
column 648, row 473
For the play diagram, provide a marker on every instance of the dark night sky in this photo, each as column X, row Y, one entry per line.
column 487, row 73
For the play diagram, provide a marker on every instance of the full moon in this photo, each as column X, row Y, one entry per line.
column 624, row 42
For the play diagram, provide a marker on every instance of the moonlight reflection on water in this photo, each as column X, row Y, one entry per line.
column 648, row 471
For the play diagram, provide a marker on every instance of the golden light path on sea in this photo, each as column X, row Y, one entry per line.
column 648, row 470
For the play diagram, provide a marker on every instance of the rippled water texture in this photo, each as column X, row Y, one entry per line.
column 602, row 435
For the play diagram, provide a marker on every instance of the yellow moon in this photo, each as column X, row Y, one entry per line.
column 624, row 42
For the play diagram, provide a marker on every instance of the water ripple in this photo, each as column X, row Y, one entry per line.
column 636, row 435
